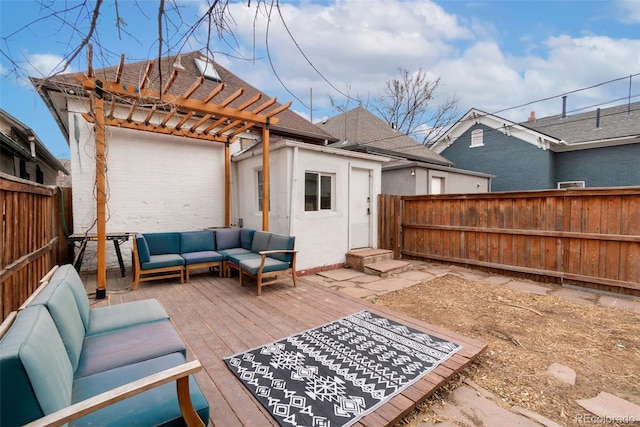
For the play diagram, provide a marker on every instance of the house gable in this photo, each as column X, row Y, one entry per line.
column 516, row 164
column 476, row 117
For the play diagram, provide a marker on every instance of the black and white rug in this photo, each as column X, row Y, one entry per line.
column 337, row 373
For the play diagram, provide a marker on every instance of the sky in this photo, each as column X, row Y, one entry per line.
column 502, row 57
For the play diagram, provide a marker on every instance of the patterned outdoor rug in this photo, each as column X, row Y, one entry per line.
column 337, row 373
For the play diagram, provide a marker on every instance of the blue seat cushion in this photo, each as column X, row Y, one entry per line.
column 227, row 238
column 166, row 260
column 278, row 242
column 155, row 407
column 260, row 241
column 252, row 265
column 143, row 248
column 200, row 257
column 69, row 274
column 128, row 345
column 60, row 302
column 197, row 241
column 163, row 243
column 36, row 376
column 226, row 253
column 114, row 317
column 246, row 238
column 235, row 259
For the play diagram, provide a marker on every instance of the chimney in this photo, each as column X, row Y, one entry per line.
column 564, row 106
column 532, row 117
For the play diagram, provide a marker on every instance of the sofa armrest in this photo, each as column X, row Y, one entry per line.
column 278, row 251
column 180, row 374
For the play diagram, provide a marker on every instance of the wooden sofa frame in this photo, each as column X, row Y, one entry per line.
column 179, row 374
column 271, row 278
column 140, row 275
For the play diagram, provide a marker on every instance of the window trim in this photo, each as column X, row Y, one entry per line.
column 319, row 197
column 581, row 184
column 477, row 138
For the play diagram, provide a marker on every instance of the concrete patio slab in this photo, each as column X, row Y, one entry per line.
column 575, row 295
column 470, row 410
column 359, row 292
column 389, row 284
column 607, row 405
column 367, row 278
column 416, row 275
column 341, row 274
column 631, row 304
column 497, row 279
column 527, row 287
column 562, row 373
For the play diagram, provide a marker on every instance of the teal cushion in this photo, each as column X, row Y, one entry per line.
column 155, row 407
column 197, row 241
column 279, row 241
column 69, row 274
column 166, row 260
column 128, row 345
column 260, row 241
column 113, row 317
column 200, row 257
column 163, row 243
column 235, row 259
column 35, row 372
column 226, row 253
column 252, row 265
column 246, row 238
column 143, row 249
column 227, row 238
column 61, row 304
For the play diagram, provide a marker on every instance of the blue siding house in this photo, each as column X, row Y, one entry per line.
column 599, row 148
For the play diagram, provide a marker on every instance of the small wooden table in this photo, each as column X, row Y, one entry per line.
column 83, row 238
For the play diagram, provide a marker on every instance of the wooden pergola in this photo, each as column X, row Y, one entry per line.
column 201, row 119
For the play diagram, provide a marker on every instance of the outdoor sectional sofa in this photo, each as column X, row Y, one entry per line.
column 64, row 362
column 258, row 254
column 261, row 255
column 173, row 254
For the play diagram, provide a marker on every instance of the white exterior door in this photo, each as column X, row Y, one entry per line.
column 360, row 208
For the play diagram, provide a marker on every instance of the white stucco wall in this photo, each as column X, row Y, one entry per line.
column 322, row 237
column 155, row 183
column 400, row 181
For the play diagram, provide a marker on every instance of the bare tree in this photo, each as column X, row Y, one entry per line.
column 408, row 103
column 78, row 25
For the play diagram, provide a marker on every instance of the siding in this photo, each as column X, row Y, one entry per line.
column 601, row 167
column 517, row 165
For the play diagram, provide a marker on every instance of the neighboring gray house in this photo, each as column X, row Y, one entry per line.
column 599, row 148
column 23, row 155
column 413, row 168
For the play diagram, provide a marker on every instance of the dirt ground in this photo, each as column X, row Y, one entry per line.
column 526, row 333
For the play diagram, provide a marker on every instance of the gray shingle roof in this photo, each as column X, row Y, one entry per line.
column 359, row 129
column 615, row 122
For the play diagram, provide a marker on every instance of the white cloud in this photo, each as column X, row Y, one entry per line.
column 629, row 11
column 44, row 64
column 359, row 45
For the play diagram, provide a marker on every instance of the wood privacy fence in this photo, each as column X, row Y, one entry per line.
column 33, row 237
column 588, row 237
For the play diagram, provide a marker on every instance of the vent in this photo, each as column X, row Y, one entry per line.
column 207, row 70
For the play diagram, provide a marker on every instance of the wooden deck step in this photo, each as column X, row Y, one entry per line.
column 357, row 259
column 386, row 268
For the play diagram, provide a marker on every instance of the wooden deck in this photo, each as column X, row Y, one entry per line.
column 218, row 318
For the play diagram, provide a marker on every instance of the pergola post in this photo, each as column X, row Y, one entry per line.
column 265, row 176
column 101, row 194
column 227, row 184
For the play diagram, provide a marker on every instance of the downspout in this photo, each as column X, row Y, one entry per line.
column 292, row 190
column 266, row 180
